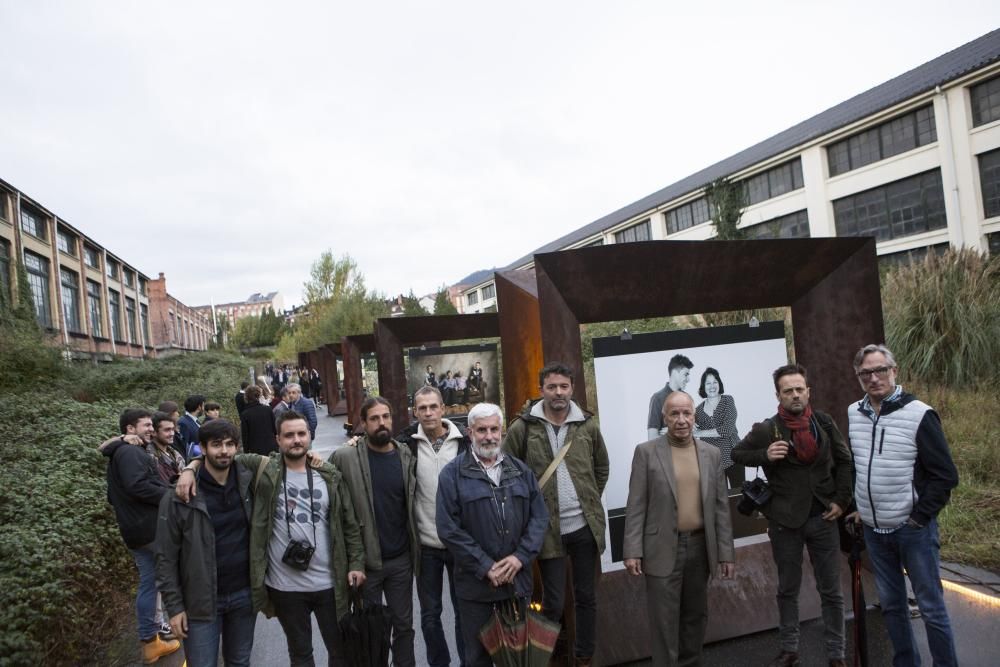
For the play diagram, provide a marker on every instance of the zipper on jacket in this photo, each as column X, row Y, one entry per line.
column 871, row 457
column 881, row 441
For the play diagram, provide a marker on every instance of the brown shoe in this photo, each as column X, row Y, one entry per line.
column 785, row 659
column 156, row 648
column 838, row 663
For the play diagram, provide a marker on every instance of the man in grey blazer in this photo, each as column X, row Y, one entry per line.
column 677, row 532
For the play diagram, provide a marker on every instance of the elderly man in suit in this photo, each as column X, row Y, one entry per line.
column 677, row 532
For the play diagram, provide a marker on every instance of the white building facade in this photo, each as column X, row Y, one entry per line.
column 914, row 162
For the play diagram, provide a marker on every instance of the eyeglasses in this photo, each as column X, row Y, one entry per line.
column 882, row 372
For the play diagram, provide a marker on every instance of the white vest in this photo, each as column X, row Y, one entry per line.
column 429, row 467
column 885, row 452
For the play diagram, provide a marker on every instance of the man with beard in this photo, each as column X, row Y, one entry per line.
column 203, row 555
column 381, row 478
column 492, row 518
column 135, row 489
column 565, row 450
column 296, row 504
column 810, row 471
column 169, row 462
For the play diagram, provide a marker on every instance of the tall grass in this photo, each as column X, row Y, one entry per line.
column 942, row 317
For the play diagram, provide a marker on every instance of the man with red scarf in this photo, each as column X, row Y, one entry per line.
column 810, row 471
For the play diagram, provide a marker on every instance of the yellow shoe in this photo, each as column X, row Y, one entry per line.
column 156, row 648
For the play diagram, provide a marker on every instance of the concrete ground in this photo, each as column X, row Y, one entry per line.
column 975, row 619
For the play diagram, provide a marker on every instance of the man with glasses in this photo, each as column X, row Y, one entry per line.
column 905, row 475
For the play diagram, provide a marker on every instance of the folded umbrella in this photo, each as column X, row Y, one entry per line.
column 365, row 630
column 518, row 635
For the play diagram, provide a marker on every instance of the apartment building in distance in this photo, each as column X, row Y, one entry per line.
column 255, row 304
column 914, row 162
column 87, row 299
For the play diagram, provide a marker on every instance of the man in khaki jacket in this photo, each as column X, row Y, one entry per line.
column 381, row 478
column 677, row 532
column 557, row 428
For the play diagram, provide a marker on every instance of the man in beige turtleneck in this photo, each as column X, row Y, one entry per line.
column 677, row 532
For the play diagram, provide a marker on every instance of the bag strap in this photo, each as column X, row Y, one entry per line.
column 260, row 472
column 560, row 455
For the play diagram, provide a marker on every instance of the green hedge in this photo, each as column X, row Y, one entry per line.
column 66, row 578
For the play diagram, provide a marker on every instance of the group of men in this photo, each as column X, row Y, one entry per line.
column 293, row 536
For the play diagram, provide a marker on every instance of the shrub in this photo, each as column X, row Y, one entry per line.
column 942, row 317
column 64, row 571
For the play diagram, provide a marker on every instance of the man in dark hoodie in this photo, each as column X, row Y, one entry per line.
column 564, row 448
column 135, row 490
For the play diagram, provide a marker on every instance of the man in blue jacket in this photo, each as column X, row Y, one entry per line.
column 492, row 518
column 304, row 406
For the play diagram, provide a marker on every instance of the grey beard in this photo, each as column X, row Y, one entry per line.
column 485, row 453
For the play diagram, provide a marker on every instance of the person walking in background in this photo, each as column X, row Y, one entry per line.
column 381, row 477
column 677, row 532
column 715, row 423
column 241, row 400
column 492, row 518
column 203, row 555
column 564, row 448
column 316, row 386
column 810, row 472
column 212, row 411
column 302, row 405
column 257, row 426
column 135, row 489
column 905, row 475
column 194, row 407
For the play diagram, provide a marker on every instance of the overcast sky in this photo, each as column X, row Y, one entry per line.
column 228, row 144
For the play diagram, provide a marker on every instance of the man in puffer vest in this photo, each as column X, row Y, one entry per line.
column 904, row 478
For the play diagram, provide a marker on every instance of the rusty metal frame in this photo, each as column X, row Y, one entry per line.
column 832, row 288
column 353, row 348
column 392, row 334
column 520, row 337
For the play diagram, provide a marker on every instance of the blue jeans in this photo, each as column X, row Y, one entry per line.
column 145, row 597
column 430, row 586
column 234, row 623
column 915, row 549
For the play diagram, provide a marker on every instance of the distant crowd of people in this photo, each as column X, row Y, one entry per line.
column 234, row 528
column 308, row 379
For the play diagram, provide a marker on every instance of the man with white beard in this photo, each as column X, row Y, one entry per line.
column 492, row 518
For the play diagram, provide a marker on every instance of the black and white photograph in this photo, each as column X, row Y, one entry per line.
column 465, row 374
column 725, row 370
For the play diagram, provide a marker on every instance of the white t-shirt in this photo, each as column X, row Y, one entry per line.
column 300, row 511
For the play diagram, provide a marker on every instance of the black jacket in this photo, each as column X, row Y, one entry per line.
column 241, row 402
column 186, row 575
column 134, row 490
column 257, row 430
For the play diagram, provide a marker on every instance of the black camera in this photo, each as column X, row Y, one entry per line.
column 756, row 494
column 298, row 554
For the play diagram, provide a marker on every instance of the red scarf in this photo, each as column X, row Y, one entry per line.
column 806, row 448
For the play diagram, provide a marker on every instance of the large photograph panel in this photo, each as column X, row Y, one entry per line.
column 731, row 366
column 465, row 374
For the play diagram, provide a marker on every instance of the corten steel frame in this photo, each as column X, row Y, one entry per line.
column 520, row 337
column 392, row 334
column 353, row 349
column 832, row 287
column 329, row 354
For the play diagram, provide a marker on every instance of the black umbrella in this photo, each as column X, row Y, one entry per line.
column 852, row 540
column 365, row 629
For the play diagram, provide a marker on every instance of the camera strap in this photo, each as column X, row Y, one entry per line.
column 312, row 516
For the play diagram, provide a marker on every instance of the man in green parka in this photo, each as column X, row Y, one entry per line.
column 564, row 447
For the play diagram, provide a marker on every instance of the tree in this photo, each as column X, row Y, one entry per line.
column 261, row 330
column 726, row 200
column 442, row 304
column 223, row 329
column 329, row 277
column 412, row 307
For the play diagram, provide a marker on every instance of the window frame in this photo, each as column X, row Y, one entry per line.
column 40, row 286
column 869, row 146
column 69, row 283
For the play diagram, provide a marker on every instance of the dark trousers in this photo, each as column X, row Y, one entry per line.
column 293, row 609
column 474, row 616
column 395, row 580
column 430, row 587
column 678, row 605
column 822, row 540
column 735, row 476
column 581, row 548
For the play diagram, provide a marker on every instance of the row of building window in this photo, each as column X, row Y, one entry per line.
column 883, row 141
column 903, row 208
column 989, row 181
column 791, row 226
column 638, row 232
column 985, row 98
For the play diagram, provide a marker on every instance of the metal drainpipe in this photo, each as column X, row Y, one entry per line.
column 949, row 154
